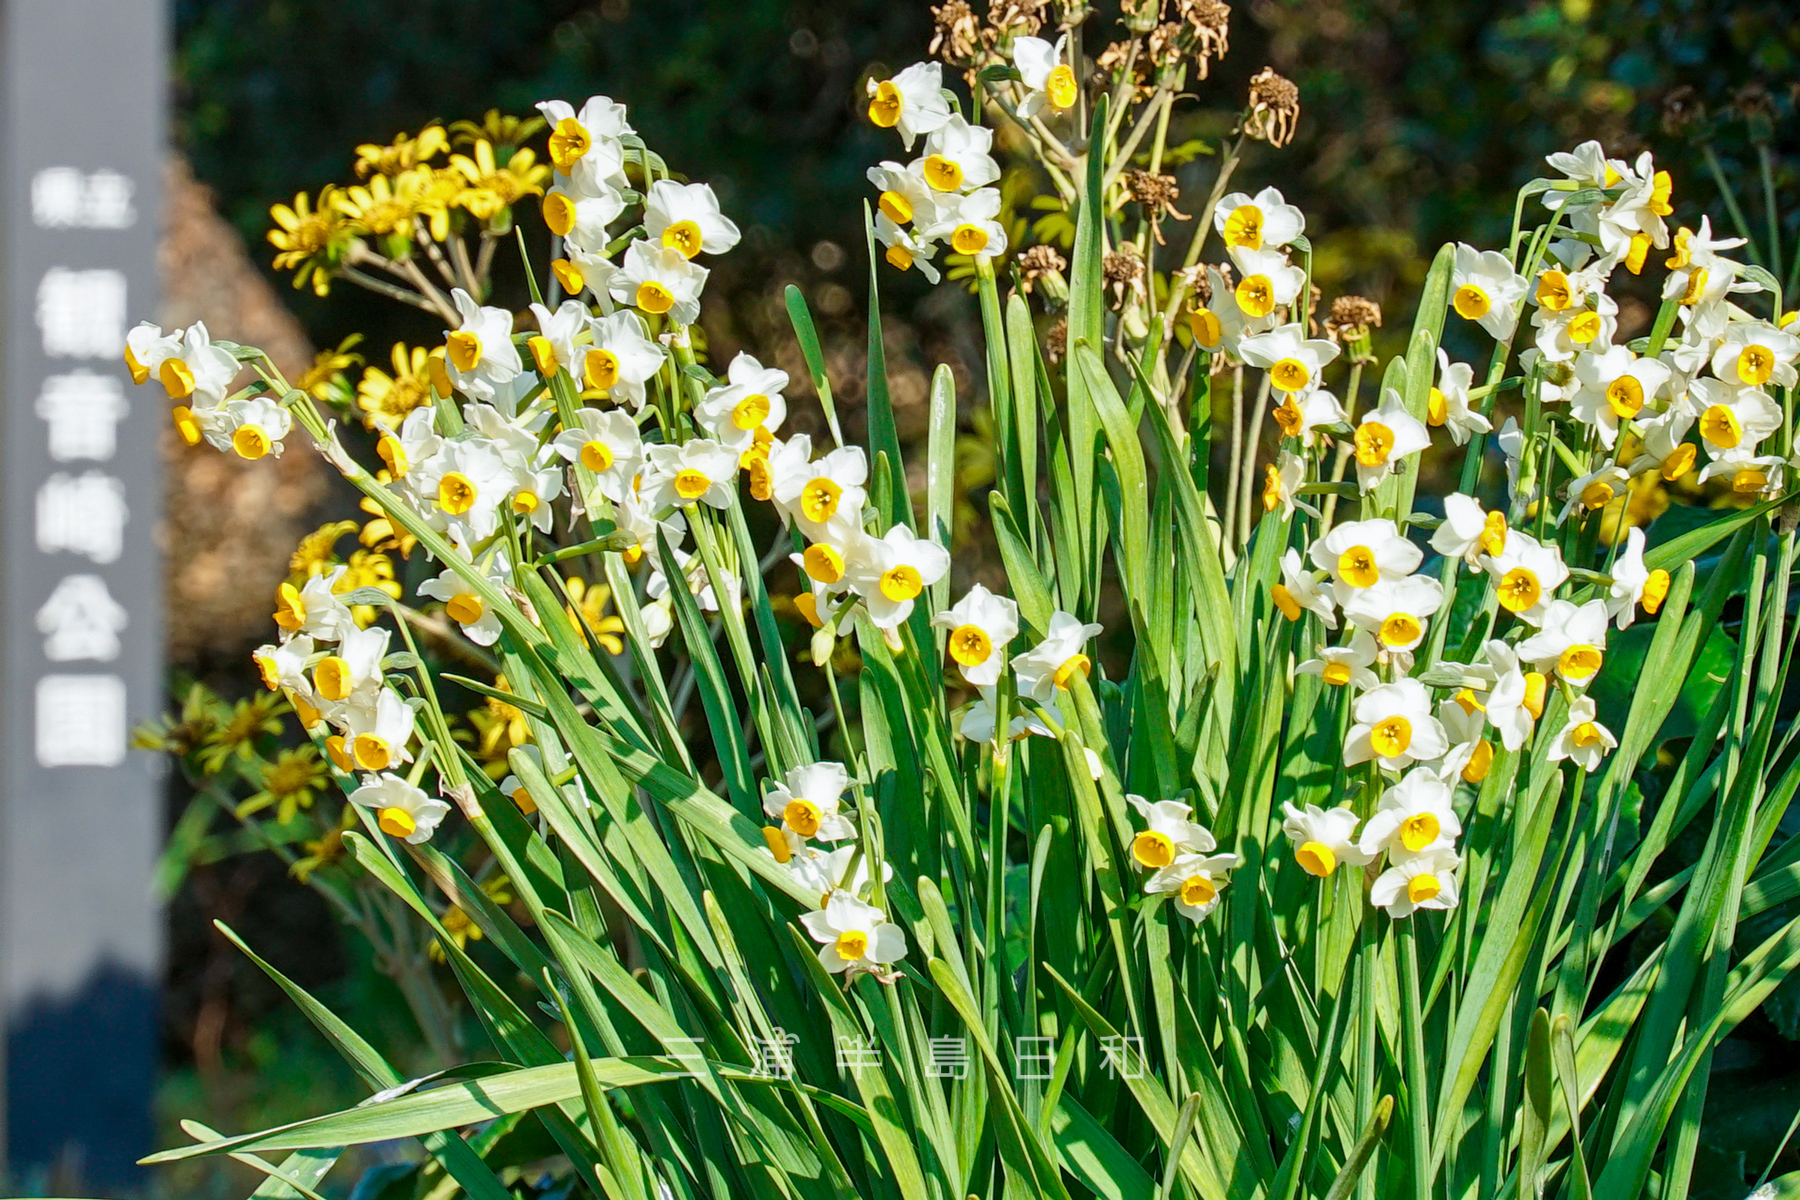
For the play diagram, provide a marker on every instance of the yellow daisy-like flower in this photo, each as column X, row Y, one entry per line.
column 328, row 849
column 310, row 240
column 504, row 131
column 461, row 927
column 387, row 207
column 290, row 782
column 315, row 554
column 592, row 599
column 367, row 568
column 328, row 367
column 401, row 155
column 386, row 399
column 492, row 185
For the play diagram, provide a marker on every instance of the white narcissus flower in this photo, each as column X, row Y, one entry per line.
column 621, row 360
column 1049, row 82
column 1664, row 447
column 1755, row 353
column 1630, row 581
column 1571, row 640
column 857, row 936
column 1703, row 280
column 1359, row 554
column 1323, row 838
column 1299, row 591
column 981, row 626
column 1508, row 708
column 378, row 730
column 835, row 546
column 1395, row 610
column 906, row 199
column 1195, row 881
column 1385, row 437
column 1168, row 834
column 696, row 472
column 1511, row 440
column 957, row 157
column 1294, row 362
column 401, row 810
column 906, row 251
column 606, row 443
column 890, row 573
column 813, row 493
column 1426, row 880
column 190, row 368
column 1449, row 402
column 415, row 442
column 1583, row 738
column 844, row 869
column 685, row 217
column 1300, row 414
column 1525, row 575
column 1485, row 289
column 969, row 223
column 583, row 220
column 467, row 481
column 480, row 353
column 661, row 281
column 1468, row 531
column 1750, row 474
column 314, row 608
column 553, row 346
column 284, row 666
column 480, row 623
column 1053, row 662
column 912, row 102
column 1595, row 490
column 1251, row 223
column 1282, row 480
column 1342, row 666
column 1220, row 325
column 1470, row 755
column 1733, row 420
column 354, row 670
column 809, row 802
column 249, row 428
column 587, row 147
column 1414, row 816
column 748, row 406
column 977, row 724
column 1266, row 282
column 1394, row 726
column 1615, row 385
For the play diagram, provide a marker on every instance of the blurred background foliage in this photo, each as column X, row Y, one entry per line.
column 1419, row 120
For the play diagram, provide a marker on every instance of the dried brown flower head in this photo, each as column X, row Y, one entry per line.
column 1115, row 58
column 1274, row 108
column 1163, row 46
column 1352, row 316
column 1209, row 23
column 1013, row 18
column 1056, row 341
column 1197, row 282
column 1039, row 261
column 1139, row 16
column 1157, row 194
column 1123, row 270
column 957, row 39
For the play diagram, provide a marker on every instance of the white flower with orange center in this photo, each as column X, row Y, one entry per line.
column 906, row 250
column 1449, row 407
column 1526, row 575
column 1663, row 445
column 1300, row 591
column 1266, row 282
column 1360, row 554
column 699, row 471
column 1413, row 816
column 1053, row 663
column 969, row 224
column 1301, row 414
column 981, row 625
column 606, row 443
column 251, row 428
column 1193, row 882
column 1732, row 420
column 1384, row 438
column 553, row 346
column 352, row 672
column 1169, row 832
column 583, row 221
column 809, row 803
column 856, row 936
column 685, row 217
column 1582, row 737
column 1633, row 583
column 1471, row 755
column 823, row 872
column 314, row 608
column 1571, row 641
column 587, row 147
column 1755, row 354
column 1750, row 474
column 1595, row 490
column 620, row 361
column 957, row 157
column 1282, row 481
column 465, row 484
column 1590, row 325
column 813, row 493
column 1614, row 385
column 377, row 730
column 660, row 280
column 748, row 408
column 1395, row 610
column 1050, row 84
column 193, row 371
column 912, row 102
column 1295, row 363
column 891, row 572
column 977, row 724
column 1485, row 289
column 1468, row 531
column 1394, row 726
column 1219, row 325
column 1514, row 699
column 479, row 354
column 906, row 199
column 147, row 348
column 401, row 810
column 1263, row 221
column 1702, row 281
column 1346, row 666
column 1425, row 880
column 1324, row 839
column 477, row 619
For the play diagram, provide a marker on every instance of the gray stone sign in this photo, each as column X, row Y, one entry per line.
column 80, row 588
